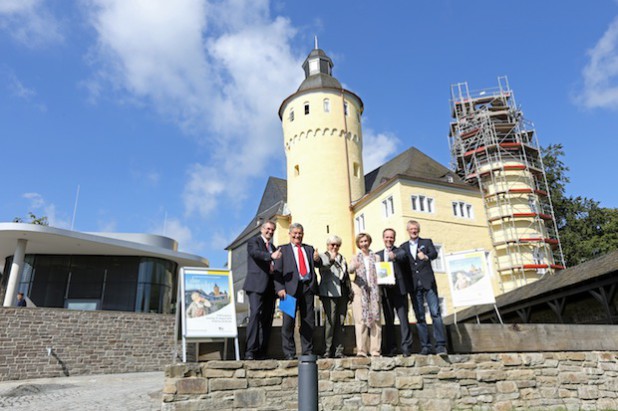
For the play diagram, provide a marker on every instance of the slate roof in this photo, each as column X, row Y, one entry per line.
column 273, row 203
column 320, row 80
column 416, row 164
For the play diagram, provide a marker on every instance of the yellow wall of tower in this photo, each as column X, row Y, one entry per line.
column 324, row 163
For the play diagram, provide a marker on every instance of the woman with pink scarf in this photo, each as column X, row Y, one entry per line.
column 366, row 302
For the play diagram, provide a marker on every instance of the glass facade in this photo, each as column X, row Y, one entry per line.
column 117, row 283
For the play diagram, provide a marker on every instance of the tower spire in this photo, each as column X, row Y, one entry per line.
column 315, row 41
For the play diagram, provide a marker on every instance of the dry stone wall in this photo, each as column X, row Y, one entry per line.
column 82, row 342
column 502, row 382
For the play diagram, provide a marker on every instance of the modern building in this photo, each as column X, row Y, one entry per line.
column 91, row 271
column 327, row 191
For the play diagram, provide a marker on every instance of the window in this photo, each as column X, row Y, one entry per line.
column 296, row 170
column 345, row 108
column 438, row 263
column 356, row 170
column 388, row 207
column 462, row 209
column 291, row 114
column 422, row 204
column 326, row 105
column 360, row 223
column 306, row 108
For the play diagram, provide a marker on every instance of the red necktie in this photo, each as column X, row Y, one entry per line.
column 302, row 265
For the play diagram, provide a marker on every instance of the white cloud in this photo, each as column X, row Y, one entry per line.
column 175, row 229
column 217, row 69
column 41, row 208
column 18, row 89
column 601, row 73
column 30, row 22
column 377, row 148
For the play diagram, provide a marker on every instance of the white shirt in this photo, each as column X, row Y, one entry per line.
column 413, row 248
column 295, row 248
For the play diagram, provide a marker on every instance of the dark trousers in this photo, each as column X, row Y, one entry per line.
column 304, row 305
column 335, row 310
column 261, row 311
column 394, row 302
column 419, row 296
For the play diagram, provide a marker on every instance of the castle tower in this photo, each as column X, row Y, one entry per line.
column 492, row 145
column 323, row 146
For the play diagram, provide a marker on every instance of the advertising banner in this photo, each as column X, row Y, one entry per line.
column 207, row 306
column 469, row 279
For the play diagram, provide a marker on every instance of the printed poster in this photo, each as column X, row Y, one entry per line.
column 386, row 273
column 208, row 308
column 469, row 279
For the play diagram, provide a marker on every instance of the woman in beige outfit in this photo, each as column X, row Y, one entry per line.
column 366, row 302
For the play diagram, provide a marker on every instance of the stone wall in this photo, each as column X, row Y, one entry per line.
column 550, row 380
column 82, row 342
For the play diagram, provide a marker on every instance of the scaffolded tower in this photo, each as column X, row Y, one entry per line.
column 492, row 145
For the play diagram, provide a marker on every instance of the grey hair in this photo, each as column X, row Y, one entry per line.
column 333, row 239
column 269, row 222
column 296, row 225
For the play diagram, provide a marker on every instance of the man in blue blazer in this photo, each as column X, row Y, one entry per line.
column 295, row 276
column 419, row 253
column 395, row 298
column 260, row 288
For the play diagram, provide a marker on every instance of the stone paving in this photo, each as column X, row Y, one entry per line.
column 134, row 391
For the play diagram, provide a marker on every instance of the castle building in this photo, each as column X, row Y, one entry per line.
column 327, row 191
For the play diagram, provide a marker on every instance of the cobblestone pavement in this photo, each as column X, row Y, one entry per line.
column 135, row 391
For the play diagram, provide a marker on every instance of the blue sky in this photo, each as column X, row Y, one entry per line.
column 164, row 114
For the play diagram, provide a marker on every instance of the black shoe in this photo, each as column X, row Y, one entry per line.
column 290, row 357
column 441, row 351
column 406, row 354
column 249, row 357
column 425, row 351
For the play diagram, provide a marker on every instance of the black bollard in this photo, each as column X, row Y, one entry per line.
column 308, row 383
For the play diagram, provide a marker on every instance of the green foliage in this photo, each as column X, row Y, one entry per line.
column 33, row 219
column 586, row 230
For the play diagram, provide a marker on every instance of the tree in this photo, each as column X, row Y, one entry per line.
column 586, row 230
column 33, row 219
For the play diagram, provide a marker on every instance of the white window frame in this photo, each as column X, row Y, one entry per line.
column 388, row 207
column 439, row 265
column 327, row 105
column 462, row 209
column 360, row 223
column 421, row 203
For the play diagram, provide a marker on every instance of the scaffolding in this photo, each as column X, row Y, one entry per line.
column 494, row 147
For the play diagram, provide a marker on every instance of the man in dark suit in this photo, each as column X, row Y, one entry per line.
column 260, row 288
column 419, row 253
column 295, row 275
column 395, row 298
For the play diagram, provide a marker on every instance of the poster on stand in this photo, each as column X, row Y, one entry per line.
column 208, row 308
column 469, row 279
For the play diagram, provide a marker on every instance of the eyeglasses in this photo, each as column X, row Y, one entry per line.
column 335, row 245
